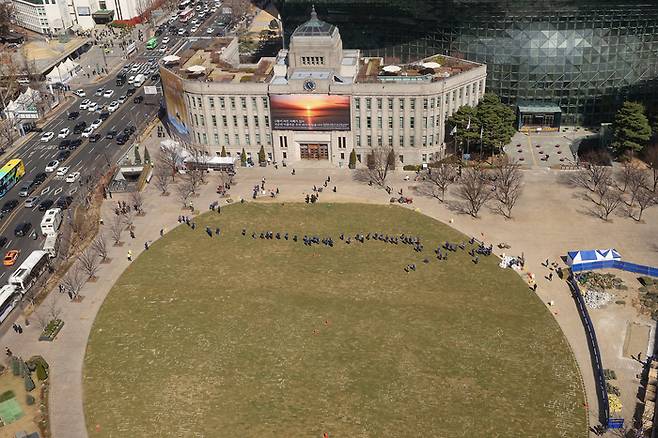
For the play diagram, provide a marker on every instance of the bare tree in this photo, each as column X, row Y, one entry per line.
column 474, row 190
column 48, row 311
column 508, row 186
column 645, row 199
column 610, row 200
column 100, row 246
column 650, row 156
column 162, row 181
column 438, row 180
column 379, row 162
column 199, row 156
column 184, row 190
column 10, row 86
column 170, row 157
column 73, row 280
column 137, row 201
column 592, row 177
column 116, row 227
column 128, row 218
column 88, row 261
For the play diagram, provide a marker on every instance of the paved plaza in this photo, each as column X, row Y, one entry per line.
column 548, row 221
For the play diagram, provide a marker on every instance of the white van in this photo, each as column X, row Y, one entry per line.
column 139, row 80
column 51, row 221
column 51, row 245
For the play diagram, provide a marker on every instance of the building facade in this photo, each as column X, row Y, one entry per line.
column 48, row 17
column 585, row 56
column 316, row 100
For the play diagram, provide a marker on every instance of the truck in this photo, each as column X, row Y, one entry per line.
column 51, row 244
column 29, row 271
column 139, row 80
column 51, row 221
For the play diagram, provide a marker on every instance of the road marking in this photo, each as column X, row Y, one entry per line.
column 45, row 191
column 57, row 191
column 3, row 274
column 9, row 243
column 72, row 191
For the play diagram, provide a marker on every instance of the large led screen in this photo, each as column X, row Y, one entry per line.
column 310, row 112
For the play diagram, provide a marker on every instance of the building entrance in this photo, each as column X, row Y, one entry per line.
column 314, row 151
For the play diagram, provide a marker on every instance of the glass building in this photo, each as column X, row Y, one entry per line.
column 587, row 56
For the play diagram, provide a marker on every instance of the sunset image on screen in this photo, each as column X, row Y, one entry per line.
column 310, row 112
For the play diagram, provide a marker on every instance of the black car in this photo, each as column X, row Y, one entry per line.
column 121, row 139
column 9, row 206
column 104, row 115
column 155, row 76
column 3, row 241
column 22, row 229
column 111, row 134
column 45, row 204
column 130, row 129
column 64, row 144
column 138, row 99
column 94, row 138
column 64, row 202
column 75, row 143
column 78, row 128
column 41, row 177
column 63, row 155
column 73, row 115
column 130, row 91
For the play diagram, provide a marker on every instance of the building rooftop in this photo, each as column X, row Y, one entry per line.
column 217, row 60
column 434, row 68
column 314, row 27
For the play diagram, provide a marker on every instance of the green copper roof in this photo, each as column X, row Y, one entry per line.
column 315, row 27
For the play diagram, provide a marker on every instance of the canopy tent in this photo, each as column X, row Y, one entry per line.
column 196, row 69
column 63, row 72
column 592, row 259
column 431, row 64
column 170, row 59
column 392, row 69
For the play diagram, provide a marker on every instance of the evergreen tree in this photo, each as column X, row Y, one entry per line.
column 29, row 383
column 223, row 152
column 243, row 158
column 353, row 159
column 138, row 159
column 391, row 159
column 496, row 121
column 630, row 129
column 261, row 155
column 147, row 156
column 466, row 136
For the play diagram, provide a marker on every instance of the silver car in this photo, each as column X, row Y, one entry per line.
column 31, row 202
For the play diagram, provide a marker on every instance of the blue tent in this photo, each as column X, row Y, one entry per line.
column 585, row 260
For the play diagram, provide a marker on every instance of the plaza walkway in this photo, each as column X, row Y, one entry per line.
column 546, row 228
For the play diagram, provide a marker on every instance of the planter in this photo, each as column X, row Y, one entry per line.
column 51, row 330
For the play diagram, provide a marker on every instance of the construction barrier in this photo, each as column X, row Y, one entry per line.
column 617, row 264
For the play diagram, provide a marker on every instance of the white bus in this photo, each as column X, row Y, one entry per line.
column 51, row 244
column 51, row 221
column 186, row 15
column 29, row 271
column 8, row 300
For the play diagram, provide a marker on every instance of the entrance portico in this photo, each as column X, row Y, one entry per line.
column 329, row 146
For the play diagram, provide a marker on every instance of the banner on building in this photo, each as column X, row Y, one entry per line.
column 174, row 96
column 84, row 11
column 310, row 112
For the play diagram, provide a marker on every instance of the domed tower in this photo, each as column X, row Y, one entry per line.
column 315, row 44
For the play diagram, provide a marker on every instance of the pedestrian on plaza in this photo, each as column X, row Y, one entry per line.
column 132, row 234
column 534, row 287
column 19, row 329
column 61, row 288
column 334, row 189
column 219, row 209
column 8, row 351
column 130, row 256
column 161, row 232
column 550, row 276
column 71, row 295
column 15, row 327
column 293, row 172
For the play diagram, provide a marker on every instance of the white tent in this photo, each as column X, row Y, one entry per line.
column 170, row 59
column 392, row 69
column 431, row 65
column 196, row 69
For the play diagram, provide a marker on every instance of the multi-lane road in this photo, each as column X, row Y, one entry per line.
column 90, row 158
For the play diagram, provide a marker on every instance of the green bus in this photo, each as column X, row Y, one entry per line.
column 152, row 43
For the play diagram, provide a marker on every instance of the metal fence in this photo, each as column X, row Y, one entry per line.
column 595, row 353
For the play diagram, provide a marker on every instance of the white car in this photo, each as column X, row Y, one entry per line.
column 194, row 28
column 93, row 106
column 99, row 92
column 165, row 40
column 181, row 31
column 195, row 21
column 135, row 68
column 80, row 92
column 62, row 170
column 113, row 106
column 64, row 133
column 50, row 167
column 85, row 104
column 47, row 136
column 73, row 177
column 121, row 99
column 95, row 124
column 210, row 30
column 87, row 132
column 213, row 10
column 108, row 93
column 131, row 80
